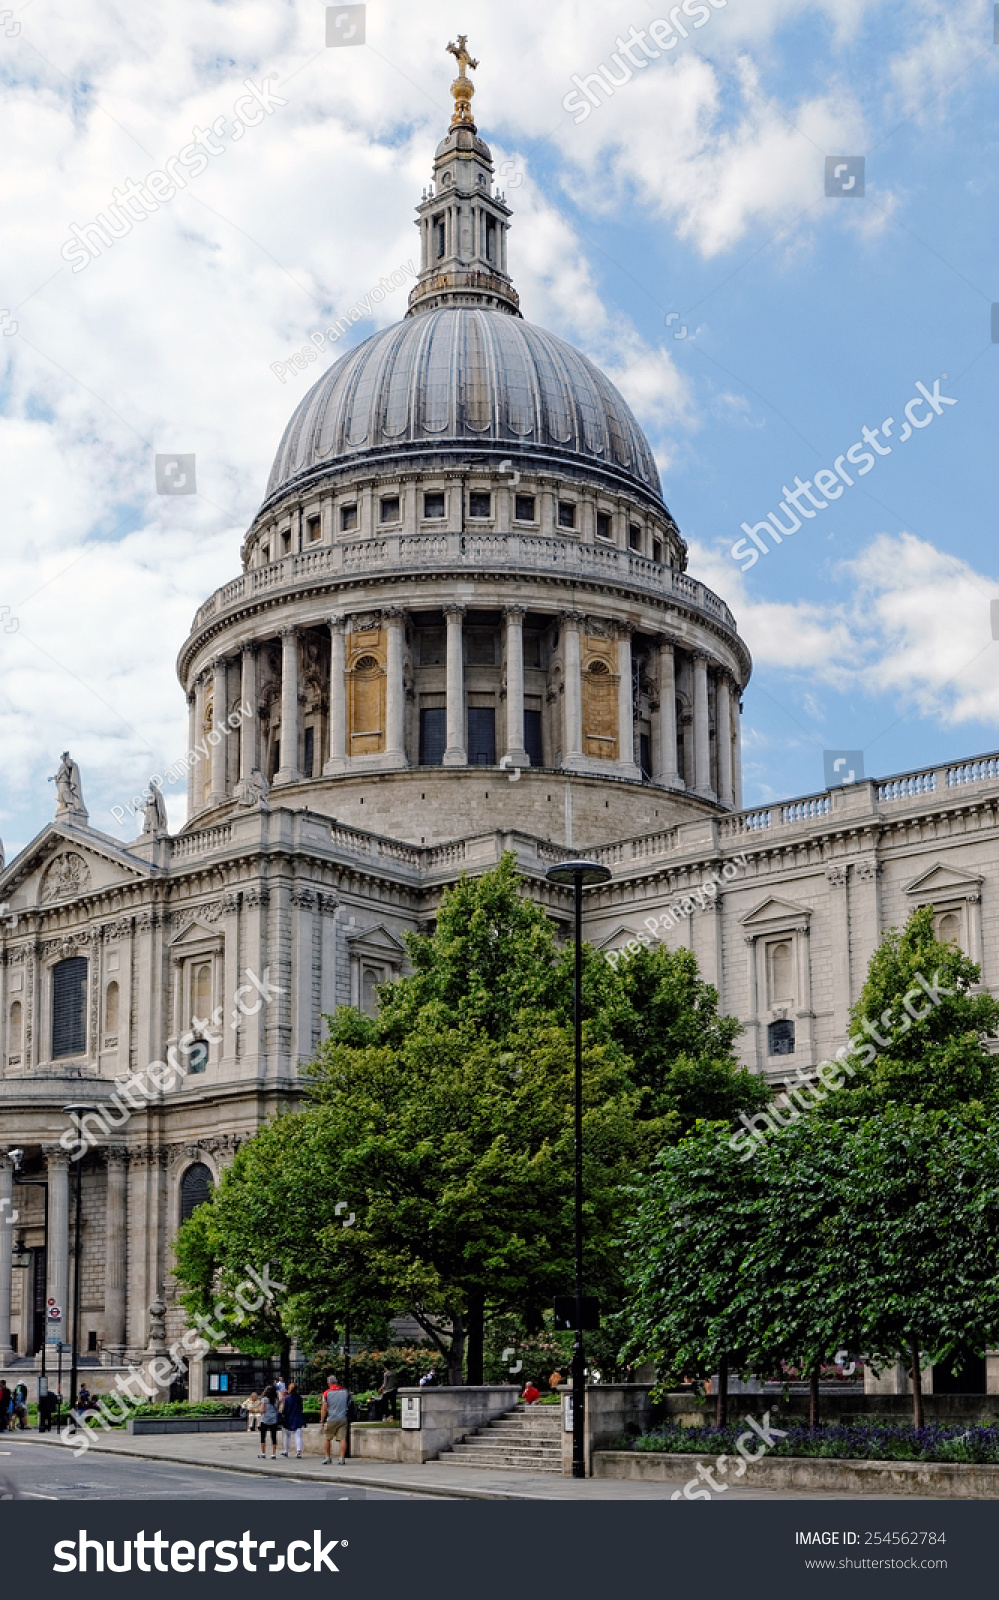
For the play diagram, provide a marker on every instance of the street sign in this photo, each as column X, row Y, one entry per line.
column 55, row 1312
column 411, row 1411
column 567, row 1413
column 565, row 1312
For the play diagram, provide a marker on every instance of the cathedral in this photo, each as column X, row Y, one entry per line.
column 463, row 625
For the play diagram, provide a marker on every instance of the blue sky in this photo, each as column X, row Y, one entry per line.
column 697, row 188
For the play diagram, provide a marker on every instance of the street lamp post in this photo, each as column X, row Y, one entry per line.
column 77, row 1111
column 578, row 874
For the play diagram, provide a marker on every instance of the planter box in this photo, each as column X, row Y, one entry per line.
column 143, row 1425
column 935, row 1480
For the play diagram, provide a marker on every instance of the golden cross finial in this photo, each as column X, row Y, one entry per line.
column 462, row 88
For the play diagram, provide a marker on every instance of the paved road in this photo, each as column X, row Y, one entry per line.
column 39, row 1472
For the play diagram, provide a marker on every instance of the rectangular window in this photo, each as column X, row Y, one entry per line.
column 634, row 536
column 286, row 540
column 433, row 646
column 604, row 530
column 348, row 518
column 780, row 1039
column 481, row 736
column 433, row 735
column 265, row 555
column 92, row 1340
column 532, row 737
column 69, row 1007
column 275, row 758
column 433, row 504
column 310, row 751
column 314, row 530
column 440, row 236
column 388, row 509
column 480, row 648
column 524, row 508
column 566, row 514
column 480, row 504
column 491, row 240
column 532, row 650
column 645, row 755
column 657, row 550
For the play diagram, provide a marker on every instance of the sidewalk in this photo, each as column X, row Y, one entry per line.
column 236, row 1452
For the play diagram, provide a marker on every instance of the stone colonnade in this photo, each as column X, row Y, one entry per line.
column 720, row 780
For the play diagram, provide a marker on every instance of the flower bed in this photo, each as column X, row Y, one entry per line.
column 855, row 1441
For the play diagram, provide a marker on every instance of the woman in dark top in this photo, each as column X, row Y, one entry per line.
column 293, row 1420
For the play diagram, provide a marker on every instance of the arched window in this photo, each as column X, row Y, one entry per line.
column 366, row 664
column 598, row 668
column 201, row 991
column 949, row 928
column 197, row 1059
column 111, row 1008
column 195, row 1189
column 781, row 986
column 14, row 1030
column 69, row 1007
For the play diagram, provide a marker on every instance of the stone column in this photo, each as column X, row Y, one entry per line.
column 288, row 771
column 515, row 686
column 7, row 1209
column 626, row 764
column 666, row 772
column 338, row 714
column 456, row 754
column 702, row 736
column 736, row 707
column 57, row 1268
column 248, row 746
column 395, row 694
column 723, row 718
column 192, row 739
column 115, row 1254
column 199, row 730
column 219, row 713
column 573, row 713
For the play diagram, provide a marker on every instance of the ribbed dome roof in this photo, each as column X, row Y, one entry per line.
column 459, row 376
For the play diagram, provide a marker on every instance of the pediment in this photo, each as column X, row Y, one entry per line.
column 195, row 935
column 773, row 912
column 376, row 942
column 68, row 862
column 943, row 882
column 614, row 940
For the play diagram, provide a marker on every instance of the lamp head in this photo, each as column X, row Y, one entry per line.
column 587, row 873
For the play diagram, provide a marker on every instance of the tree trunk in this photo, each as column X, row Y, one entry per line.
column 476, row 1335
column 721, row 1400
column 813, row 1396
column 917, row 1385
column 456, row 1352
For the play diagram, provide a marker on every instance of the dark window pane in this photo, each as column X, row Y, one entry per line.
column 532, row 737
column 645, row 746
column 634, row 536
column 603, row 525
column 195, row 1189
column 389, row 508
column 480, row 648
column 566, row 514
column 479, row 504
column 433, row 736
column 69, row 1007
column 433, row 646
column 481, row 736
column 780, row 1039
column 275, row 757
column 310, row 750
column 524, row 511
column 657, row 550
column 433, row 504
column 348, row 517
column 197, row 1060
column 532, row 649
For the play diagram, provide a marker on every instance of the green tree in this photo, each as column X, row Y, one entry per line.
column 919, row 1031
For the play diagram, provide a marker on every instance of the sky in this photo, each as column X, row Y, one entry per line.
column 759, row 305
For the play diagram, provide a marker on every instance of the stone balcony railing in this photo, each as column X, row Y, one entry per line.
column 401, row 554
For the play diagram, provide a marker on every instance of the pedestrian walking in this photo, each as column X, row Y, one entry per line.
column 269, row 1422
column 293, row 1421
column 333, row 1415
column 19, row 1407
column 253, row 1408
column 389, row 1391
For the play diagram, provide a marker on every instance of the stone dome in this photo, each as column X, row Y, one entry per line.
column 467, row 379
